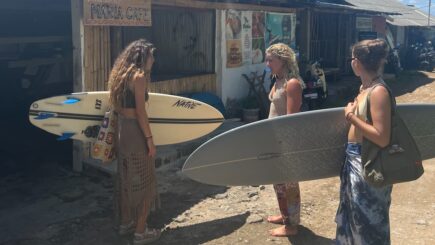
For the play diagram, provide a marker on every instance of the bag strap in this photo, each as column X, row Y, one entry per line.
column 392, row 100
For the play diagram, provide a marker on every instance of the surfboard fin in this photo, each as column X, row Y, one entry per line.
column 70, row 101
column 65, row 136
column 44, row 115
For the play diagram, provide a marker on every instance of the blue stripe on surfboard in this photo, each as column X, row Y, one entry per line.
column 71, row 100
column 65, row 136
column 152, row 120
column 69, row 115
column 44, row 115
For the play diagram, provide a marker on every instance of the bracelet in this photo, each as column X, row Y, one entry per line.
column 149, row 137
column 349, row 115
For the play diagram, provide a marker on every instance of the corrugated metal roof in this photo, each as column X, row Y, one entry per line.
column 329, row 4
column 409, row 16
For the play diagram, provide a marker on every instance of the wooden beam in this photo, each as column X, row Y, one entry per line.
column 21, row 40
column 308, row 34
column 40, row 5
column 78, row 76
column 221, row 6
column 219, row 35
column 34, row 62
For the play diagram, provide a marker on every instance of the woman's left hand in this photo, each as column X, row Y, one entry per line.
column 151, row 147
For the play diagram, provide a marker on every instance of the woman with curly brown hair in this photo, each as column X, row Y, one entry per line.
column 286, row 98
column 136, row 186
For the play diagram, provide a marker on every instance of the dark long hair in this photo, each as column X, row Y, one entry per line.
column 131, row 61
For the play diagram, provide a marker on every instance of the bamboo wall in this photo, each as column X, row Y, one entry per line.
column 199, row 83
column 185, row 41
column 98, row 48
column 97, row 58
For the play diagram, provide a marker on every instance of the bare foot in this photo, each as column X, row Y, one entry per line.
column 284, row 231
column 276, row 219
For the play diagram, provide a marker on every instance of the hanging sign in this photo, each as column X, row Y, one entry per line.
column 117, row 12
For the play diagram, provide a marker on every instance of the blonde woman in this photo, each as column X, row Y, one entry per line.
column 286, row 98
column 136, row 187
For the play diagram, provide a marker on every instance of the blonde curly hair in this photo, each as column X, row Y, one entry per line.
column 288, row 57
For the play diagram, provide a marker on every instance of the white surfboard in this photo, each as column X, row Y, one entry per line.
column 173, row 119
column 299, row 147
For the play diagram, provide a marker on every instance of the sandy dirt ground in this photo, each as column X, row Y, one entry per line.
column 50, row 204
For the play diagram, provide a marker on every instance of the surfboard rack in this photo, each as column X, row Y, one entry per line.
column 71, row 100
column 45, row 115
column 65, row 136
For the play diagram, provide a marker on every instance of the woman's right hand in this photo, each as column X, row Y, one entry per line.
column 350, row 108
column 151, row 147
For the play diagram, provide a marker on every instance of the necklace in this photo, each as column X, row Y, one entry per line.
column 372, row 83
column 280, row 77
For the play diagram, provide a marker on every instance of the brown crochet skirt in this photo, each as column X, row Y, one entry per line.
column 135, row 183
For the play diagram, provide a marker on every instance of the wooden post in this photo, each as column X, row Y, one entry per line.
column 428, row 16
column 308, row 34
column 218, row 52
column 78, row 76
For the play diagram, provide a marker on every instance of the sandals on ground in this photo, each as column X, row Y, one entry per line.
column 148, row 236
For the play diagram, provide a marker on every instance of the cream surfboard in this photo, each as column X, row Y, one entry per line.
column 173, row 119
column 298, row 147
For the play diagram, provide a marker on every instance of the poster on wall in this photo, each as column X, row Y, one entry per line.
column 233, row 24
column 234, row 53
column 258, row 49
column 233, row 34
column 248, row 34
column 247, row 37
column 280, row 28
column 258, row 29
column 258, row 25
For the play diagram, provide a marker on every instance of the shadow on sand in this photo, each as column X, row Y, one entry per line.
column 408, row 81
column 203, row 232
column 306, row 236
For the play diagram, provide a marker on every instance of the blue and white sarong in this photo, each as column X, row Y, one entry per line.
column 363, row 212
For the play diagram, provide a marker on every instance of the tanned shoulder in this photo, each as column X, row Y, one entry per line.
column 293, row 85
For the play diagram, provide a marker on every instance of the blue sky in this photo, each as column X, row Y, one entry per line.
column 422, row 5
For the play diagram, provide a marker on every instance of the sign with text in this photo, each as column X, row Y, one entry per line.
column 364, row 23
column 367, row 35
column 117, row 12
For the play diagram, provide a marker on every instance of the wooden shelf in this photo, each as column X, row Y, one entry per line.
column 36, row 61
column 22, row 40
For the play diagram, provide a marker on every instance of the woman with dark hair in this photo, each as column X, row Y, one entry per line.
column 136, row 186
column 363, row 212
